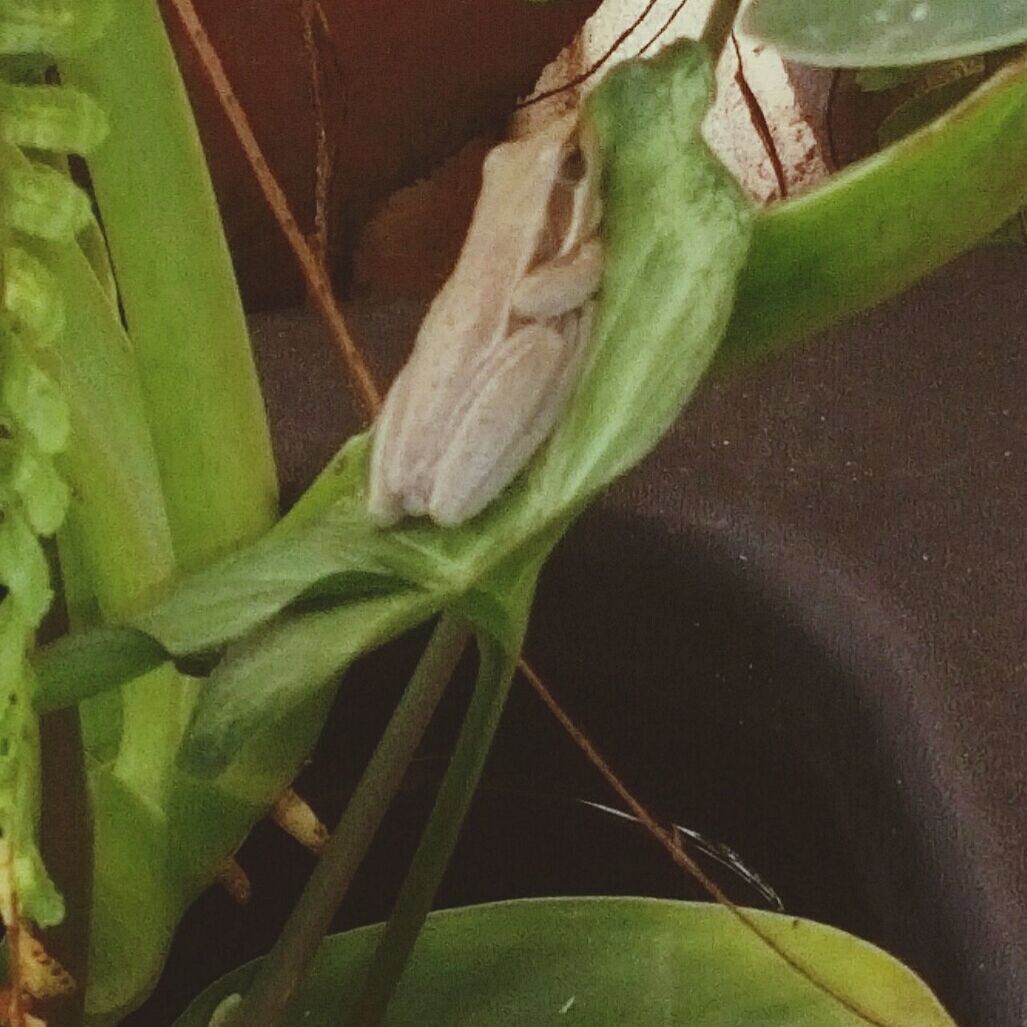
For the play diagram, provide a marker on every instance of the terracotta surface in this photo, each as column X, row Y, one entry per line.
column 405, row 84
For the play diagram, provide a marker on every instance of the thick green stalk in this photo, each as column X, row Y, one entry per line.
column 177, row 288
column 267, row 1000
column 440, row 836
column 117, row 537
column 178, row 291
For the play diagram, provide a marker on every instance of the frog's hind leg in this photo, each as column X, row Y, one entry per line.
column 509, row 419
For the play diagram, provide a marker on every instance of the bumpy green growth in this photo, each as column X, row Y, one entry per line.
column 51, row 26
column 37, row 201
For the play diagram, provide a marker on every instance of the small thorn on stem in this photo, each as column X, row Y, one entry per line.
column 295, row 817
column 231, row 876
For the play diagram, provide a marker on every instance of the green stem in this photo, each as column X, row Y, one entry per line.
column 440, row 836
column 178, row 290
column 720, row 24
column 181, row 303
column 282, row 971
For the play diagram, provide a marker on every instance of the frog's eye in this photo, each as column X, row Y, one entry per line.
column 574, row 167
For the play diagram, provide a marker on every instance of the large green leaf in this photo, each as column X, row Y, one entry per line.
column 676, row 232
column 152, row 861
column 617, row 962
column 878, row 226
column 863, row 33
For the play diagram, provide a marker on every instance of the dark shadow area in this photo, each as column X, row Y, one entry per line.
column 717, row 708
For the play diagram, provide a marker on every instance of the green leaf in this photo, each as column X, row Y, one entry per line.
column 267, row 675
column 178, row 291
column 23, row 877
column 43, row 493
column 24, row 571
column 617, row 962
column 33, row 400
column 31, row 298
column 676, row 231
column 82, row 672
column 152, row 862
column 134, row 894
column 879, row 225
column 863, row 33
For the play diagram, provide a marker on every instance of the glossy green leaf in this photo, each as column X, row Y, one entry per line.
column 863, row 33
column 878, row 226
column 609, row 963
column 676, row 232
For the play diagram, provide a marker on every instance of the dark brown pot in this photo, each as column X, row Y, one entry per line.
column 796, row 628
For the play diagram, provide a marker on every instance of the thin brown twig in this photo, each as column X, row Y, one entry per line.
column 577, row 80
column 672, row 844
column 663, row 28
column 323, row 158
column 312, row 269
column 759, row 121
column 832, row 96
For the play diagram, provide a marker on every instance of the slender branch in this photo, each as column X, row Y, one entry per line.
column 759, row 121
column 312, row 268
column 439, row 839
column 323, row 163
column 663, row 28
column 67, row 846
column 719, row 25
column 283, row 969
column 580, row 79
column 671, row 842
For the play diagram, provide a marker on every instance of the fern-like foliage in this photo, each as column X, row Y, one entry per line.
column 40, row 206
